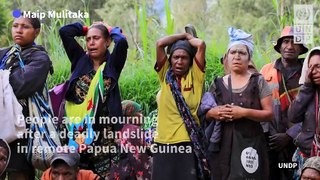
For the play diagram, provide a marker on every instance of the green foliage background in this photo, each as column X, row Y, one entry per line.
column 141, row 23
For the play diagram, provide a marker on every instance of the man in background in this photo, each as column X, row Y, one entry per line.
column 65, row 166
column 283, row 77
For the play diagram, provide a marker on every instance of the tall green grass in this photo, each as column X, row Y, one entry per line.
column 141, row 13
column 138, row 80
column 170, row 21
column 49, row 37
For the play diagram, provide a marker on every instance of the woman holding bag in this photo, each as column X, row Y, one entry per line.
column 93, row 91
column 243, row 100
column 25, row 82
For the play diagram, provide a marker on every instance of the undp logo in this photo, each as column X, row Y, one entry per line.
column 303, row 24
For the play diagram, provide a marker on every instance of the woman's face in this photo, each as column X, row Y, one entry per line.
column 3, row 159
column 310, row 174
column 238, row 58
column 180, row 62
column 23, row 32
column 314, row 62
column 96, row 44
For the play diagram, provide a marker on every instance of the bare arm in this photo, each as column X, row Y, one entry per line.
column 220, row 113
column 231, row 112
column 201, row 49
column 265, row 114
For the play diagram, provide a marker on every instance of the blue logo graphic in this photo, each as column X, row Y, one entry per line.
column 16, row 13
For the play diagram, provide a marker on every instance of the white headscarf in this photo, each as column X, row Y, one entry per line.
column 238, row 36
column 305, row 65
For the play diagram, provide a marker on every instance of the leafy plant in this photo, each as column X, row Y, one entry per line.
column 170, row 22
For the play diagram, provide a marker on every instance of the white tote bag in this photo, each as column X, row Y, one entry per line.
column 11, row 118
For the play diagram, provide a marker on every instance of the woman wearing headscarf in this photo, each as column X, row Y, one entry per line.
column 93, row 92
column 137, row 164
column 25, row 82
column 305, row 109
column 181, row 78
column 243, row 100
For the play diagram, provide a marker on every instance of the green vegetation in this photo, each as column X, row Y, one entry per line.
column 144, row 22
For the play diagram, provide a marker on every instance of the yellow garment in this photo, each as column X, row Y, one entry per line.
column 170, row 127
column 81, row 116
column 78, row 112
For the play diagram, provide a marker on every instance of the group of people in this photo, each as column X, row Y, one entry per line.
column 253, row 121
column 242, row 128
column 96, row 64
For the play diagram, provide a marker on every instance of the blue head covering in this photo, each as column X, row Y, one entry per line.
column 238, row 36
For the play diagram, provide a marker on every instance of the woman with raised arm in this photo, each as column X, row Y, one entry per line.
column 180, row 152
column 93, row 94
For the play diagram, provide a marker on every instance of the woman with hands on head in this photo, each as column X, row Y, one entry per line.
column 92, row 71
column 243, row 100
column 181, row 77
